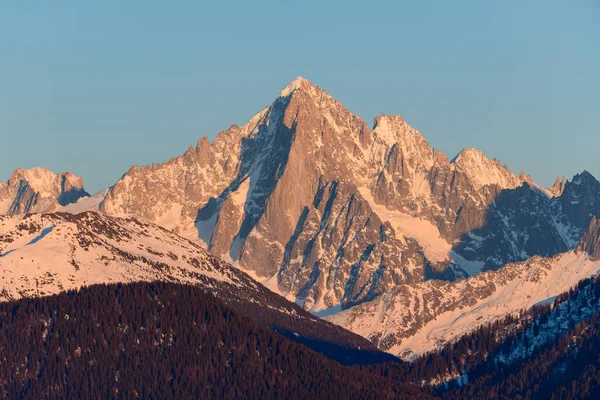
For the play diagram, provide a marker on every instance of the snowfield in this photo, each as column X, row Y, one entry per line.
column 45, row 254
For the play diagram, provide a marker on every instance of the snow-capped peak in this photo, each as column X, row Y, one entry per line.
column 293, row 86
column 310, row 90
column 39, row 179
column 39, row 190
column 482, row 171
column 393, row 129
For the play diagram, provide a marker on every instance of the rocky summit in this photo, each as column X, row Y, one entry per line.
column 39, row 190
column 330, row 212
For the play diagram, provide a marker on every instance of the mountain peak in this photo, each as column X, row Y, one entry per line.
column 39, row 179
column 384, row 118
column 483, row 171
column 584, row 178
column 39, row 190
column 393, row 129
column 469, row 153
column 294, row 85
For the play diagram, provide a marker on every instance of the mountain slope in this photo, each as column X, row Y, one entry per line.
column 554, row 357
column 43, row 254
column 547, row 351
column 525, row 221
column 163, row 340
column 410, row 320
column 39, row 190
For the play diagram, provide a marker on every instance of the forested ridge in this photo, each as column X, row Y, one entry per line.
column 163, row 340
column 167, row 340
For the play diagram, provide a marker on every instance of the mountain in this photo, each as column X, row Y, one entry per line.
column 39, row 190
column 342, row 218
column 527, row 221
column 411, row 320
column 269, row 196
column 45, row 254
column 458, row 264
column 330, row 213
column 164, row 340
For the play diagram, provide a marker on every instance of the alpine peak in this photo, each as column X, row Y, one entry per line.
column 294, row 85
column 39, row 190
column 483, row 171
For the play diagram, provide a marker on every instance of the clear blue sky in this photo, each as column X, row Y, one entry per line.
column 94, row 87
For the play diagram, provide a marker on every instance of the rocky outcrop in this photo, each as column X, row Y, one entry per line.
column 559, row 186
column 590, row 242
column 39, row 190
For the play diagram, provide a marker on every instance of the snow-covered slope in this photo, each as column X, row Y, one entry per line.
column 410, row 320
column 43, row 254
column 83, row 204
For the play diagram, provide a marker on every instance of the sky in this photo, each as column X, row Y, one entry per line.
column 93, row 87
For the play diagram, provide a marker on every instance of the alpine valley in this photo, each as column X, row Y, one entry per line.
column 351, row 239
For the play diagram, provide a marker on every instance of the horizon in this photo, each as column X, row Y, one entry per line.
column 96, row 89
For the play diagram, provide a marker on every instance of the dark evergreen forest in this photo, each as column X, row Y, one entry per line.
column 163, row 340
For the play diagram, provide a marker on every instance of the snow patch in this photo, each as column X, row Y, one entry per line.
column 424, row 232
column 89, row 203
column 292, row 86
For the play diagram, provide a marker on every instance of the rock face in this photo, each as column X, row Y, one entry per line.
column 590, row 242
column 280, row 194
column 525, row 221
column 332, row 212
column 39, row 190
column 559, row 186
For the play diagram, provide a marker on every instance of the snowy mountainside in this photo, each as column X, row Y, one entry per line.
column 44, row 254
column 552, row 346
column 83, row 204
column 410, row 320
column 567, row 311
